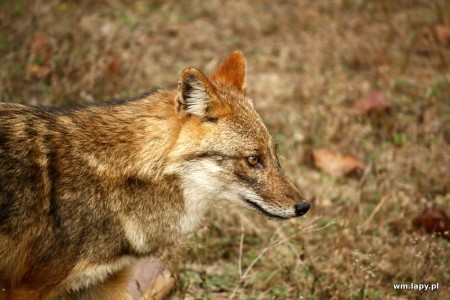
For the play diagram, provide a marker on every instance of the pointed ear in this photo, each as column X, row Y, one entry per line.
column 232, row 71
column 195, row 92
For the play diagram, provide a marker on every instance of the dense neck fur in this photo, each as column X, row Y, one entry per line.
column 128, row 143
column 129, row 139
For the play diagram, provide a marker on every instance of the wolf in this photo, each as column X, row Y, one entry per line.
column 87, row 191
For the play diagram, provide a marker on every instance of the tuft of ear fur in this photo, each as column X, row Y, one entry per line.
column 231, row 71
column 196, row 92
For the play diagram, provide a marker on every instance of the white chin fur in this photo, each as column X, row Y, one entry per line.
column 204, row 181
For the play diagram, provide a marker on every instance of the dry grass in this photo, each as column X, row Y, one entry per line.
column 309, row 62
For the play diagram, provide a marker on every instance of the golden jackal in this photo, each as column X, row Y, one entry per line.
column 87, row 191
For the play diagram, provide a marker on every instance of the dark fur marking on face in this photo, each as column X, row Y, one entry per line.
column 247, row 179
column 212, row 154
column 211, row 120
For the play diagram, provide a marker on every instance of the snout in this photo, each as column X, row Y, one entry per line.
column 301, row 208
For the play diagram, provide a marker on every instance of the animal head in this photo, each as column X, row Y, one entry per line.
column 224, row 151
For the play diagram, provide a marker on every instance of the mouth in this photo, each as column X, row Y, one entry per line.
column 261, row 210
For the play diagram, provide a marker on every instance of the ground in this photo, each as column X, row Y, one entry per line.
column 309, row 64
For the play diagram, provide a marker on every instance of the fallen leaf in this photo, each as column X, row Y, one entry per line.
column 115, row 65
column 160, row 287
column 433, row 220
column 144, row 275
column 440, row 33
column 40, row 45
column 39, row 71
column 443, row 34
column 337, row 164
column 374, row 102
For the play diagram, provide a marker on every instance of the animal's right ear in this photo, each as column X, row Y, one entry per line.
column 196, row 93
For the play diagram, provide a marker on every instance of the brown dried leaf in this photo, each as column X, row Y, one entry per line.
column 374, row 102
column 439, row 33
column 115, row 65
column 160, row 287
column 337, row 164
column 443, row 34
column 39, row 71
column 40, row 45
column 151, row 280
column 433, row 220
column 146, row 277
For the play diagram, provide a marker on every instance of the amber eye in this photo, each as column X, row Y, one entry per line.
column 253, row 160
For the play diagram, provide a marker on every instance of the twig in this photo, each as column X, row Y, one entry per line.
column 377, row 208
column 409, row 51
column 241, row 246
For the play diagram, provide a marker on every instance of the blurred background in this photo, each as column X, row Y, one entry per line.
column 356, row 93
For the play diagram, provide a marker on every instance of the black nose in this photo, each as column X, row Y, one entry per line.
column 302, row 208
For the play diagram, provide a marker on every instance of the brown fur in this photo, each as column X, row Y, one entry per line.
column 86, row 191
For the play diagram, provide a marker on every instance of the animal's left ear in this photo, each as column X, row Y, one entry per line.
column 231, row 71
column 197, row 94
